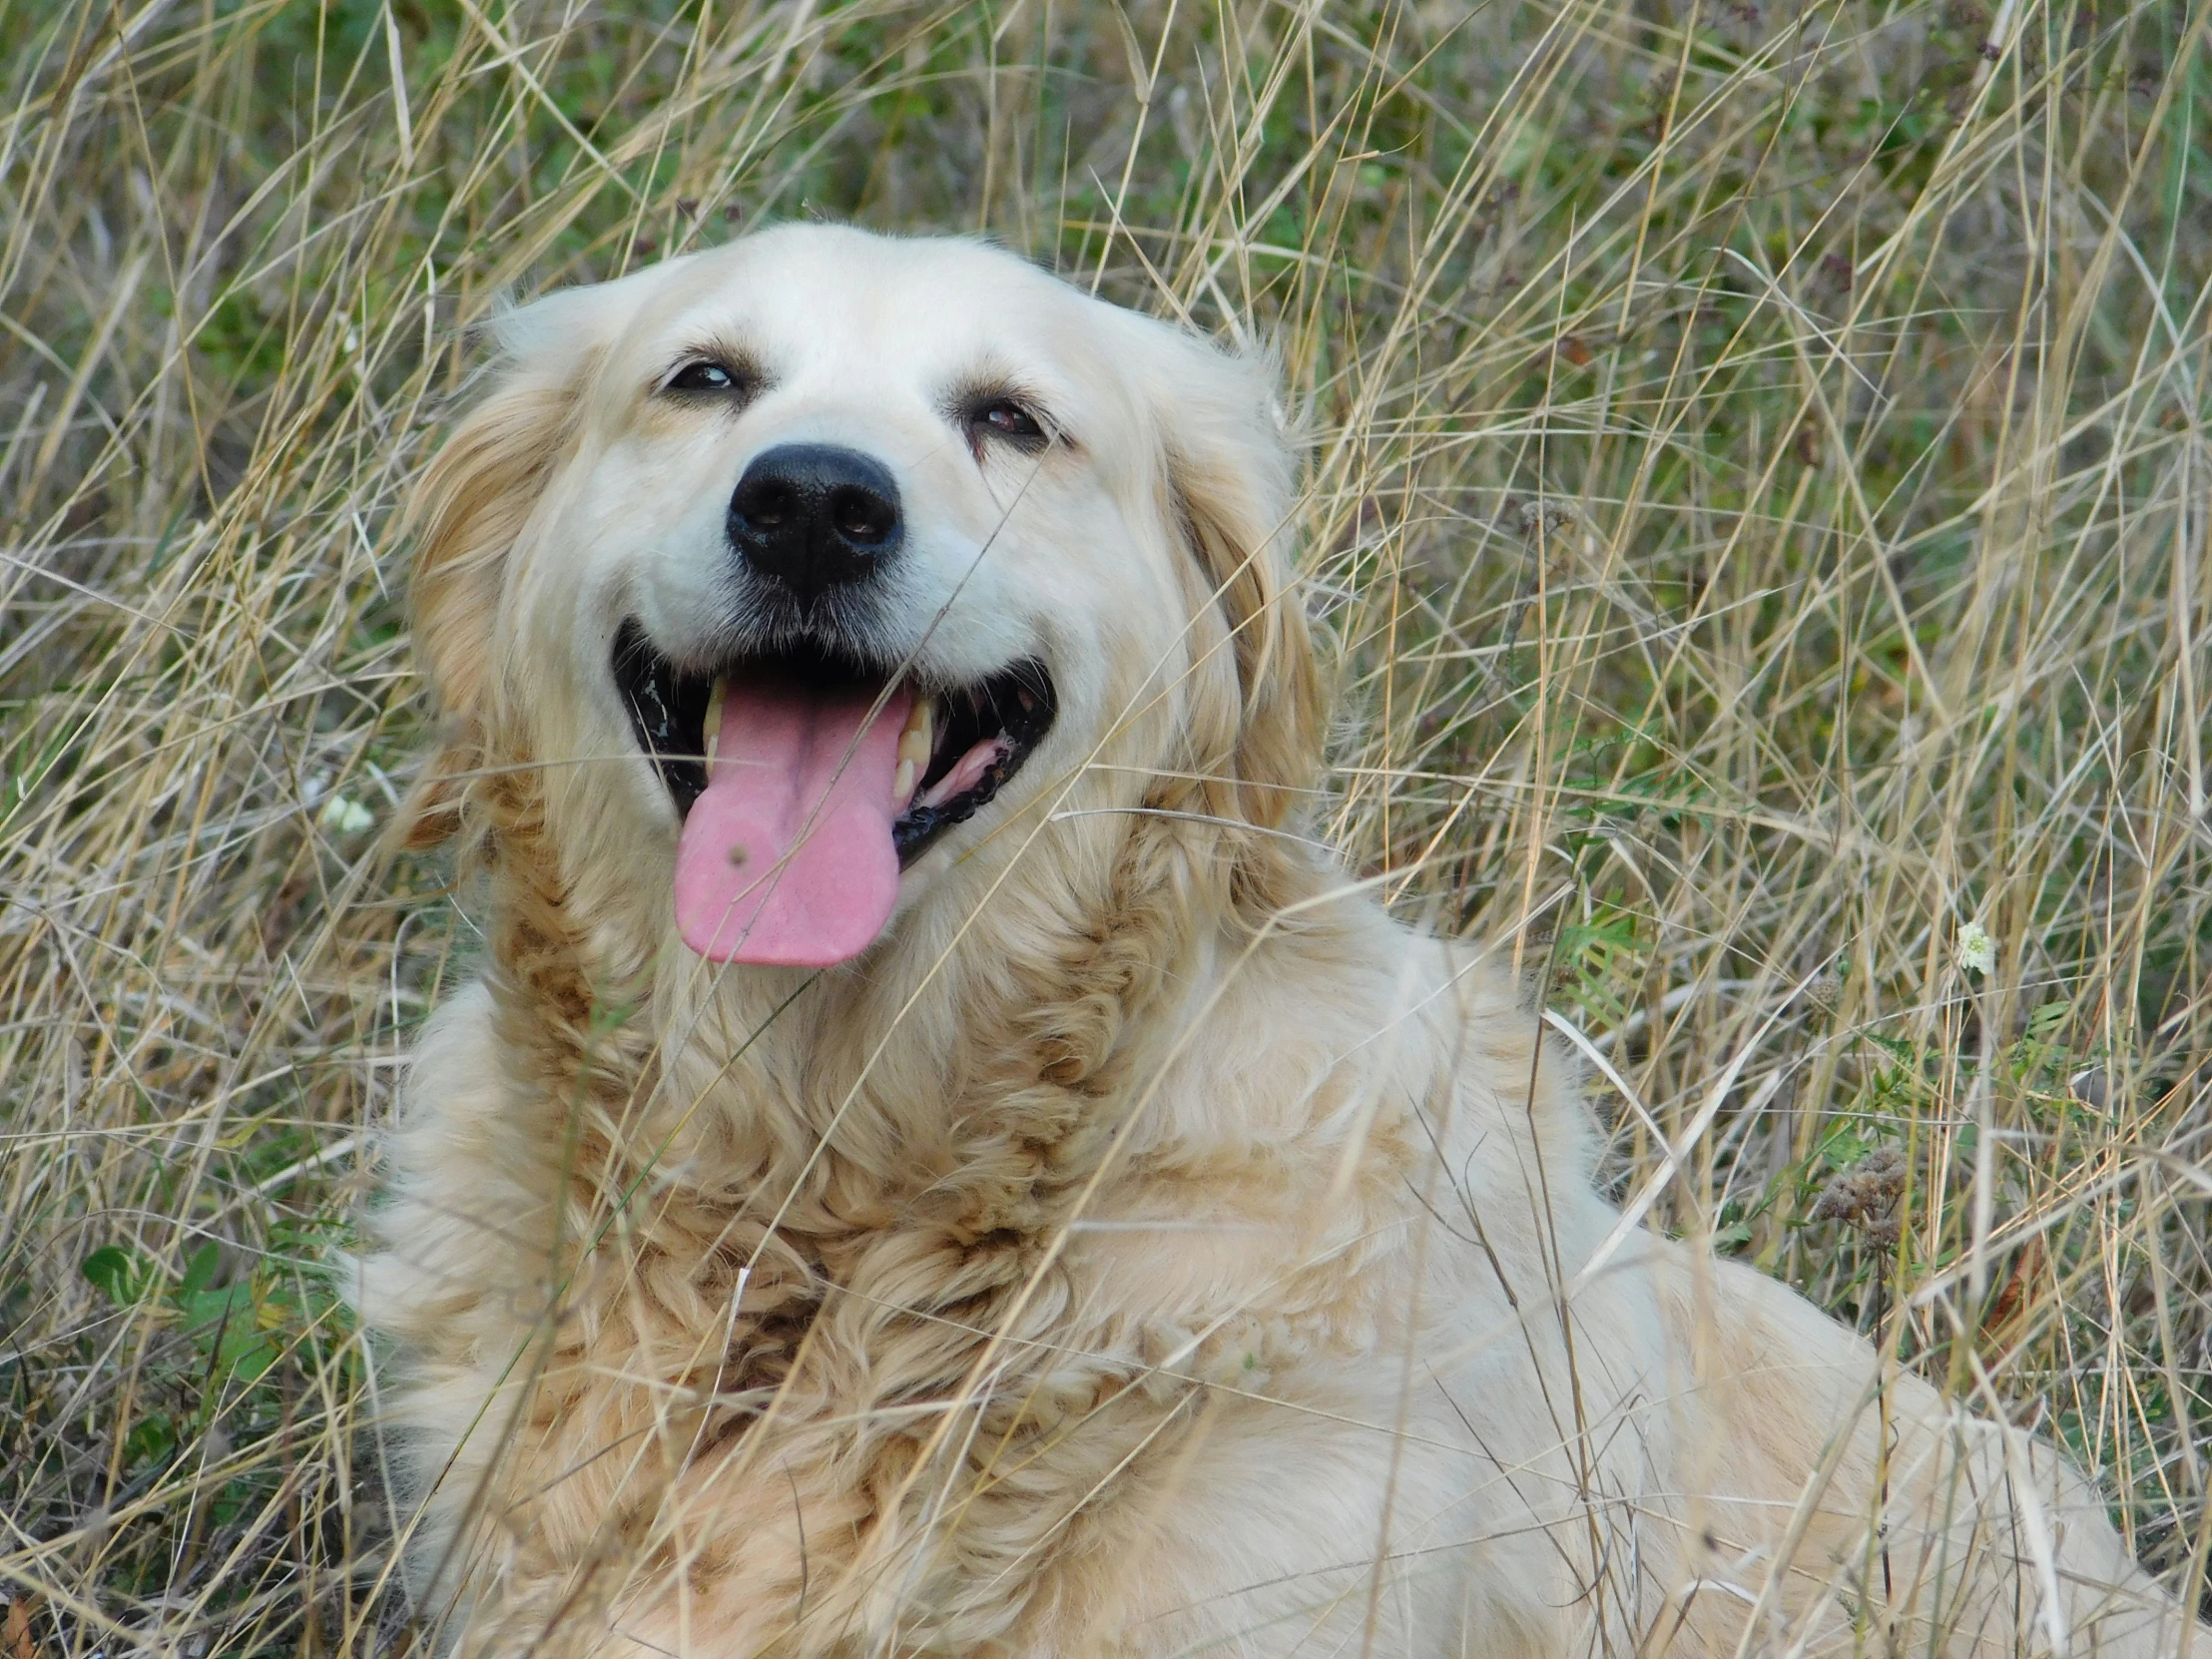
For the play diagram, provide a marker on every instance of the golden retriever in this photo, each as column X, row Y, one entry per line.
column 937, row 1162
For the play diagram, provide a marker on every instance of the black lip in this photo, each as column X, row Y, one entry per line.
column 666, row 700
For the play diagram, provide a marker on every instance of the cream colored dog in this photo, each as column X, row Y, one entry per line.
column 937, row 1163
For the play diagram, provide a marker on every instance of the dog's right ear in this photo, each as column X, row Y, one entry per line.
column 465, row 517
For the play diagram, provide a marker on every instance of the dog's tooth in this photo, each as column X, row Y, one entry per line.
column 916, row 740
column 711, row 726
column 902, row 783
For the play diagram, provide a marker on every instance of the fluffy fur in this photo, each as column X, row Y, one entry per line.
column 1148, row 1247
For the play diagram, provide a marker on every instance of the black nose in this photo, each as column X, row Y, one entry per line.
column 810, row 516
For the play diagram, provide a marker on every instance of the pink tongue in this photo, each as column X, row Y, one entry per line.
column 787, row 856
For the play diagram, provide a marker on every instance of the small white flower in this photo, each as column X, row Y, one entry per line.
column 1976, row 950
column 352, row 341
column 347, row 817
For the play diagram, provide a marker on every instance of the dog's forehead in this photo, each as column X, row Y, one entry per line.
column 831, row 296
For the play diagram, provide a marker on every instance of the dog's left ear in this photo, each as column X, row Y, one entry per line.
column 466, row 514
column 1231, row 487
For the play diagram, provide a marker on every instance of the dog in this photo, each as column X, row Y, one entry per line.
column 938, row 1161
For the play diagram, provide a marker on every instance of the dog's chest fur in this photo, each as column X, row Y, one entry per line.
column 792, row 1331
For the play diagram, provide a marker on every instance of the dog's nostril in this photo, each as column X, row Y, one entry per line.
column 862, row 515
column 810, row 516
column 769, row 506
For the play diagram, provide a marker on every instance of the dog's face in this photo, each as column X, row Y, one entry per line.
column 842, row 553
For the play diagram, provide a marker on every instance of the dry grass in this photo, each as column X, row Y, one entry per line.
column 1761, row 462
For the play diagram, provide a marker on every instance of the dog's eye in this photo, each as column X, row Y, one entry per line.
column 1005, row 418
column 704, row 377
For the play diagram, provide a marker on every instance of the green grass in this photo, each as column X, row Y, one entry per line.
column 1760, row 464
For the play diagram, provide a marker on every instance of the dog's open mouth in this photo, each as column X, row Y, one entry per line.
column 808, row 778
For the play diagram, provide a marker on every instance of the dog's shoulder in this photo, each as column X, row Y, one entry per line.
column 468, row 1213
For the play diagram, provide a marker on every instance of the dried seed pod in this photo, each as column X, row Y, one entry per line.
column 1867, row 1196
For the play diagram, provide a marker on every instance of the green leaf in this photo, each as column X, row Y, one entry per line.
column 246, row 1352
column 151, row 1439
column 1844, row 1146
column 117, row 1273
column 200, row 1270
column 206, row 1308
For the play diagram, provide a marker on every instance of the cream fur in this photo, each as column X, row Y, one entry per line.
column 1147, row 1247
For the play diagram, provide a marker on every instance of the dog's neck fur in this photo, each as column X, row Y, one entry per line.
column 601, row 1008
column 1003, row 1075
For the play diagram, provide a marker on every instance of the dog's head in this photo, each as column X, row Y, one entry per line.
column 804, row 568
